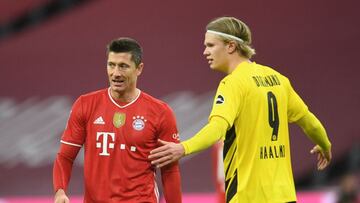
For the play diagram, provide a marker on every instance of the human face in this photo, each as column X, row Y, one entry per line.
column 122, row 73
column 215, row 52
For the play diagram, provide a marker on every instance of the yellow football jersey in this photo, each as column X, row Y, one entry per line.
column 258, row 103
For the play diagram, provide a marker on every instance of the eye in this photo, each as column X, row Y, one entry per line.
column 111, row 65
column 124, row 66
column 209, row 45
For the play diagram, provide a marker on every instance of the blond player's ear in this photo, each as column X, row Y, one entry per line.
column 231, row 47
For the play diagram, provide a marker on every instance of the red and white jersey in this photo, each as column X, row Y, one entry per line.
column 117, row 141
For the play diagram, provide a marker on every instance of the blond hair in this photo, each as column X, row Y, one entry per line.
column 237, row 28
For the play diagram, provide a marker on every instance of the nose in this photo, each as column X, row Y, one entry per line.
column 206, row 52
column 117, row 72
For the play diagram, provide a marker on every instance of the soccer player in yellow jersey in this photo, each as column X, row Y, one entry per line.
column 251, row 111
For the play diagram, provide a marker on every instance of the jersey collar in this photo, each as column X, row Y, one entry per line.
column 126, row 105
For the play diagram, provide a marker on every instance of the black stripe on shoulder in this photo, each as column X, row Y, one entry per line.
column 229, row 140
column 232, row 188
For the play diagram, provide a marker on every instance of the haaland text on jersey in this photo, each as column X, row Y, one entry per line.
column 272, row 151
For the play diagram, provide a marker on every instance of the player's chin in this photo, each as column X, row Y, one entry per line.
column 117, row 88
column 212, row 67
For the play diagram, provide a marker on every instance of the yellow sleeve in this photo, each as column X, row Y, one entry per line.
column 313, row 128
column 296, row 106
column 207, row 136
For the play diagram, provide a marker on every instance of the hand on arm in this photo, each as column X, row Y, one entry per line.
column 167, row 153
column 206, row 137
column 313, row 128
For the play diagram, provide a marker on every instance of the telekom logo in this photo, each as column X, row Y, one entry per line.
column 105, row 143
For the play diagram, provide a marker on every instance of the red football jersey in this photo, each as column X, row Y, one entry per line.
column 117, row 141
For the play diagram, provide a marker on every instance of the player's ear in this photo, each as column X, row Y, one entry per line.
column 140, row 69
column 231, row 47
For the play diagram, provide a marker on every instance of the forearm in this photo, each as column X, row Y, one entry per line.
column 207, row 136
column 313, row 128
column 171, row 180
column 63, row 166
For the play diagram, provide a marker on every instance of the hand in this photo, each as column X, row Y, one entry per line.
column 323, row 157
column 60, row 197
column 166, row 154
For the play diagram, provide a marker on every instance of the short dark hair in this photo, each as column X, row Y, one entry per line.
column 126, row 44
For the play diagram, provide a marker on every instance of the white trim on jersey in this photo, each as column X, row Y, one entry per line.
column 128, row 104
column 69, row 143
column 156, row 190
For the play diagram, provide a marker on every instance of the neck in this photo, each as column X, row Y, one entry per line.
column 234, row 61
column 125, row 97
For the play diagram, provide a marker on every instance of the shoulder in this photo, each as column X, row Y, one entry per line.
column 272, row 71
column 155, row 102
column 91, row 98
column 94, row 95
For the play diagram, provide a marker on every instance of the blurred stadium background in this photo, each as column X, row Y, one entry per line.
column 51, row 51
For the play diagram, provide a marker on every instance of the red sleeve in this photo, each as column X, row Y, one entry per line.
column 171, row 180
column 75, row 131
column 72, row 140
column 170, row 175
column 63, row 165
column 168, row 130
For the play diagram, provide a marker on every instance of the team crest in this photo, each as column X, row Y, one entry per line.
column 139, row 123
column 119, row 119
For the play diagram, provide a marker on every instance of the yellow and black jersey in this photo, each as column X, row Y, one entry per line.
column 257, row 102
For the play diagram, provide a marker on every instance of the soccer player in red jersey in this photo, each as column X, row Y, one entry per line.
column 118, row 127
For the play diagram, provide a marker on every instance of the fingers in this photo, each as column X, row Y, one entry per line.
column 322, row 161
column 160, row 150
column 158, row 155
column 322, row 164
column 166, row 154
column 315, row 150
column 323, row 158
column 161, row 160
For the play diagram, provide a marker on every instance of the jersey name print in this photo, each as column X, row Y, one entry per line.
column 259, row 104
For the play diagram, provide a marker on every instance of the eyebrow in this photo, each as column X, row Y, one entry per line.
column 208, row 43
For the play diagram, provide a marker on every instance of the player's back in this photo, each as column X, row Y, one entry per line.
column 260, row 155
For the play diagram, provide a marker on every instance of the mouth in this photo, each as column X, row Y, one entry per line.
column 118, row 82
column 210, row 61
